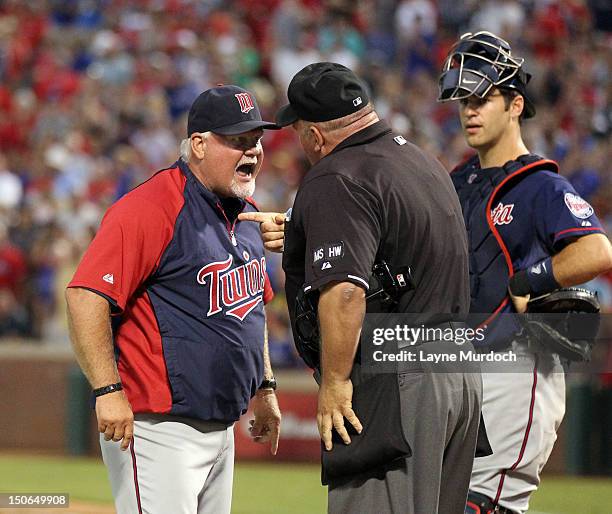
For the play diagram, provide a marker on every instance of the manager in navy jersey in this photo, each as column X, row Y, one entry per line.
column 185, row 283
column 529, row 233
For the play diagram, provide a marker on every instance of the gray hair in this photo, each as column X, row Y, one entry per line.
column 339, row 123
column 185, row 146
column 345, row 121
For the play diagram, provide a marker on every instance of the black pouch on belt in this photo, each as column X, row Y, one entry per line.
column 376, row 403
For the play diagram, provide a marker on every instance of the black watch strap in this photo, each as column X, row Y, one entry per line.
column 268, row 383
column 107, row 389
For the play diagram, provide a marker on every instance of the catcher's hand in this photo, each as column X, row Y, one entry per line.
column 520, row 302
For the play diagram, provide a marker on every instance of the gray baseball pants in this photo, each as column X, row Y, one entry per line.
column 174, row 465
column 440, row 416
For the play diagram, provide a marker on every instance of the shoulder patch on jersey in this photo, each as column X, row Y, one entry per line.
column 329, row 252
column 334, row 251
column 578, row 206
column 318, row 254
column 109, row 278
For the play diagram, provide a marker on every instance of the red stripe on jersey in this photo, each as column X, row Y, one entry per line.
column 494, row 314
column 493, row 228
column 268, row 292
column 250, row 200
column 579, row 229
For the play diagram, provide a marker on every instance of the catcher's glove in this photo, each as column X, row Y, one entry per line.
column 565, row 321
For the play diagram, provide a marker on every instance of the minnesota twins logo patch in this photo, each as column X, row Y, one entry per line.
column 245, row 101
column 577, row 206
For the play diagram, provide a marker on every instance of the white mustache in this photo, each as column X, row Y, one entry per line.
column 246, row 161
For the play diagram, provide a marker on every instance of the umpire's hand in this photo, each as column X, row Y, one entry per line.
column 271, row 226
column 336, row 405
column 115, row 418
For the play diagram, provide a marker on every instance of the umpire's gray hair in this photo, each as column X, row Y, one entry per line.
column 185, row 146
column 345, row 121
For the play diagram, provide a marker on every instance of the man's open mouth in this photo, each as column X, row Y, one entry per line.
column 245, row 170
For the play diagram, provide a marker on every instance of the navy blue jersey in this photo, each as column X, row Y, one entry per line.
column 539, row 215
column 188, row 281
column 516, row 216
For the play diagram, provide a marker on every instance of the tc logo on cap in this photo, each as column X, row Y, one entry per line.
column 245, row 101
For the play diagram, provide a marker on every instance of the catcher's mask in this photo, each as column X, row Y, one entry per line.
column 477, row 63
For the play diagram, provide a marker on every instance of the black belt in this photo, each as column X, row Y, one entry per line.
column 486, row 504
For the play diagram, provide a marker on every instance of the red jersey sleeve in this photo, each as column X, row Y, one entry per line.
column 268, row 292
column 126, row 250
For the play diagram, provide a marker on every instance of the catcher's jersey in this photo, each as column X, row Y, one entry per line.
column 187, row 283
column 536, row 218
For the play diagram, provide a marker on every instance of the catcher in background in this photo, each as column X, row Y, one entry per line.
column 529, row 234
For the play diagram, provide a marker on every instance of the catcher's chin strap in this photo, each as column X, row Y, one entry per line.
column 480, row 504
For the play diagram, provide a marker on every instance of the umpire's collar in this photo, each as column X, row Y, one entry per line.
column 370, row 133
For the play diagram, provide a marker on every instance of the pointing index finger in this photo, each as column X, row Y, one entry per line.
column 259, row 217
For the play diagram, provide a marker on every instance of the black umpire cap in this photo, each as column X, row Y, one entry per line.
column 323, row 91
column 225, row 110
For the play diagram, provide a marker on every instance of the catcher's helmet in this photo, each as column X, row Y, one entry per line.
column 479, row 62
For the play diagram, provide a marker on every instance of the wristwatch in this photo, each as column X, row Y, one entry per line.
column 268, row 383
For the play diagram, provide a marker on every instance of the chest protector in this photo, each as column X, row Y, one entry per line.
column 479, row 192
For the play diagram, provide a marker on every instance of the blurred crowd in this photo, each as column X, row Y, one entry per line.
column 94, row 94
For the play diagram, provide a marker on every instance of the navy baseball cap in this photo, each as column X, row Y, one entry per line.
column 322, row 91
column 225, row 110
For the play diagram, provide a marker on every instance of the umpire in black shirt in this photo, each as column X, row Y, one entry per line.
column 372, row 196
